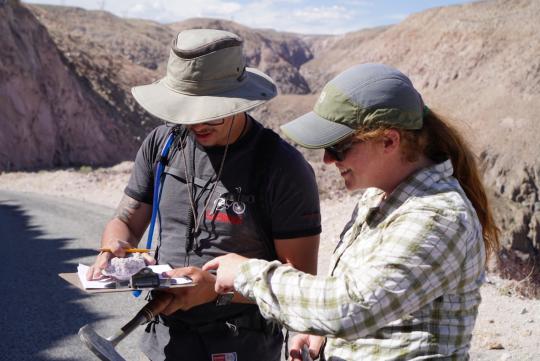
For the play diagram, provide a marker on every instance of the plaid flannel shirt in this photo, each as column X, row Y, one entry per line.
column 404, row 279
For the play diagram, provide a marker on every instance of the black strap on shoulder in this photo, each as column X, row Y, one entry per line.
column 263, row 160
column 264, row 156
column 181, row 132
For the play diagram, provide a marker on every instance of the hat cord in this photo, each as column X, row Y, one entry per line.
column 194, row 217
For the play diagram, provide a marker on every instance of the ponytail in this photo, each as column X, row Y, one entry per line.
column 439, row 141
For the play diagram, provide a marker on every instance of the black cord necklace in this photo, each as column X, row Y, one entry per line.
column 194, row 220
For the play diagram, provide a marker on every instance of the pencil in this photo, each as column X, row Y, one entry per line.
column 128, row 250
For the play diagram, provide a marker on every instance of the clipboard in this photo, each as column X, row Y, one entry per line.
column 112, row 286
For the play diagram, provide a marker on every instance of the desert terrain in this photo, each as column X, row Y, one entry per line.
column 66, row 75
column 507, row 325
column 69, row 126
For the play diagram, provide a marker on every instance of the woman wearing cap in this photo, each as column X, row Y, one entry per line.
column 405, row 277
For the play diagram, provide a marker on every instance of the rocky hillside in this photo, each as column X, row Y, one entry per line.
column 111, row 55
column 48, row 116
column 146, row 43
column 478, row 63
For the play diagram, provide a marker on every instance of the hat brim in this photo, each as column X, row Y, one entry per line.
column 175, row 107
column 314, row 132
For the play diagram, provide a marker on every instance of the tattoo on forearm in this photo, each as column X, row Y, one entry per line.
column 126, row 208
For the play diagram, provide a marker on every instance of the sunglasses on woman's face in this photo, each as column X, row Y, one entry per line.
column 339, row 151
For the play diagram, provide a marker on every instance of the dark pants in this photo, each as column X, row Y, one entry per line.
column 241, row 338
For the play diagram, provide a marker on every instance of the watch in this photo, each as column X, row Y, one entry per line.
column 224, row 299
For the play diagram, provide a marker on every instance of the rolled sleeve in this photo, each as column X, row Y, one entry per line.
column 417, row 259
column 300, row 301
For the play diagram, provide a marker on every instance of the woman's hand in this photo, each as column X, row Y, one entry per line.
column 313, row 343
column 227, row 268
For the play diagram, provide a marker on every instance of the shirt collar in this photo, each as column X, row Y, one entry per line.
column 415, row 184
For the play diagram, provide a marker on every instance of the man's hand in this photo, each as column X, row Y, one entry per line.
column 188, row 297
column 227, row 268
column 101, row 262
column 314, row 344
column 117, row 250
column 123, row 231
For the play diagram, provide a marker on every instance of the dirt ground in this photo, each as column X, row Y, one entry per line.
column 507, row 326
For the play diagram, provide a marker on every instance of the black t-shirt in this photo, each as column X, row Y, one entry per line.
column 226, row 213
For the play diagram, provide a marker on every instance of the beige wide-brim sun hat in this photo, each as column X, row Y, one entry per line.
column 206, row 80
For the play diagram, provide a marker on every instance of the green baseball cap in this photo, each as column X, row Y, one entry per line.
column 365, row 96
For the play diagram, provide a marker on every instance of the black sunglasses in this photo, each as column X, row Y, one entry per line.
column 339, row 150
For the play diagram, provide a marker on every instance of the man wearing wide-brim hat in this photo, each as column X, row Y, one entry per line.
column 216, row 181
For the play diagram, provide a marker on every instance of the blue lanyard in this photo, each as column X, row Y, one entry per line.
column 158, row 188
column 157, row 193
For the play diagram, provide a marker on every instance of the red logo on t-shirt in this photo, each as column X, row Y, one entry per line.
column 223, row 217
column 224, row 356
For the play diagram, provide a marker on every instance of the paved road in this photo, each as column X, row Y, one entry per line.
column 40, row 313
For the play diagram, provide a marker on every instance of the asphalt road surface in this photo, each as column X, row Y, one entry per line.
column 40, row 314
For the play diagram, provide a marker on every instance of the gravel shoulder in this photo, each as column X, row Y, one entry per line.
column 507, row 326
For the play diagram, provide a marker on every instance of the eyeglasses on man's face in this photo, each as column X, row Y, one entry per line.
column 339, row 151
column 216, row 122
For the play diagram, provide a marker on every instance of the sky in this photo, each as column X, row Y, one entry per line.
column 299, row 16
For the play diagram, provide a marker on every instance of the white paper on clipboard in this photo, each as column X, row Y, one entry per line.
column 108, row 282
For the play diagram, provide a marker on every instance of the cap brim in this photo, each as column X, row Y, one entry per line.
column 314, row 132
column 172, row 106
